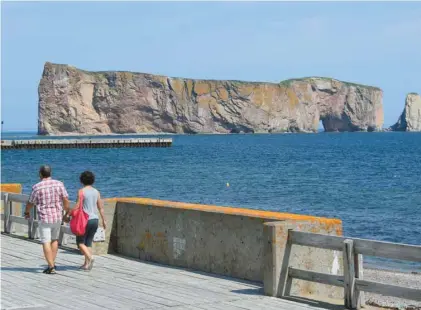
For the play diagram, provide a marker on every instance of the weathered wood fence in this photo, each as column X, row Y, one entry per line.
column 9, row 218
column 352, row 281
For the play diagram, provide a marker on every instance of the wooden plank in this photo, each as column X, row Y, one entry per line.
column 6, row 211
column 18, row 197
column 317, row 240
column 388, row 290
column 388, row 249
column 31, row 224
column 31, row 228
column 284, row 276
column 361, row 246
column 61, row 237
column 318, row 277
column 18, row 219
column 9, row 206
column 349, row 274
column 359, row 274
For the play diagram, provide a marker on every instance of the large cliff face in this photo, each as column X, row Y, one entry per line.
column 73, row 101
column 410, row 119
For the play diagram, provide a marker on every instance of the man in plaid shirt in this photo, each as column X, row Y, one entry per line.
column 50, row 197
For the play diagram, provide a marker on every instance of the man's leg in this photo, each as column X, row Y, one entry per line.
column 55, row 233
column 45, row 234
column 48, row 254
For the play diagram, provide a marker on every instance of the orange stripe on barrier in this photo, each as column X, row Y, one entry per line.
column 229, row 210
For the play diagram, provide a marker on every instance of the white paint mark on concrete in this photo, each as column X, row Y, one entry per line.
column 335, row 264
column 194, row 226
column 179, row 246
column 179, row 223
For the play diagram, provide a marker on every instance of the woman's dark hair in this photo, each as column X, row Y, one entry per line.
column 87, row 178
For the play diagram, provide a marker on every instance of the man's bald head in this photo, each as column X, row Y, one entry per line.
column 45, row 171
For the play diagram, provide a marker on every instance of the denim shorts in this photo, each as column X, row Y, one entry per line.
column 90, row 231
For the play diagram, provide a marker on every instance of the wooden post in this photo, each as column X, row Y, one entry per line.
column 36, row 224
column 359, row 295
column 284, row 280
column 61, row 236
column 31, row 233
column 32, row 230
column 6, row 211
column 349, row 274
column 9, row 221
column 271, row 260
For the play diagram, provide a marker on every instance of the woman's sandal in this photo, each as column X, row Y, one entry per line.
column 91, row 263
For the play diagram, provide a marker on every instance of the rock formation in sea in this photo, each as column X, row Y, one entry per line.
column 410, row 119
column 74, row 101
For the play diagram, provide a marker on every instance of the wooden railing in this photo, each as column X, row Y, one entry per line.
column 9, row 218
column 352, row 280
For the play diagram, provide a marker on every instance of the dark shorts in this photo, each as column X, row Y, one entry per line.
column 87, row 239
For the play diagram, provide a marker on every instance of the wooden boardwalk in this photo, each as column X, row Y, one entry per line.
column 121, row 283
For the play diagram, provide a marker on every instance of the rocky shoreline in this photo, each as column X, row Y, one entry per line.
column 405, row 279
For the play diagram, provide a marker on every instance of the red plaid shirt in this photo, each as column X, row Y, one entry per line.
column 48, row 196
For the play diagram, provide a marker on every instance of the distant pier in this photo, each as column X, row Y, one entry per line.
column 84, row 143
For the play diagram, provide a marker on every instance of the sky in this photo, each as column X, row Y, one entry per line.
column 373, row 43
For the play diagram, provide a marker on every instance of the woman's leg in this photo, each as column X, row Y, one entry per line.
column 90, row 233
column 82, row 247
column 85, row 251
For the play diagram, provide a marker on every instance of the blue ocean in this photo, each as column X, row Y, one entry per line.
column 371, row 181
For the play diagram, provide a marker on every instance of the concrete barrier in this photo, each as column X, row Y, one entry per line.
column 108, row 246
column 241, row 243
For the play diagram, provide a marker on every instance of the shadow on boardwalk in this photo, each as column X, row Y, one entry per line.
column 38, row 270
